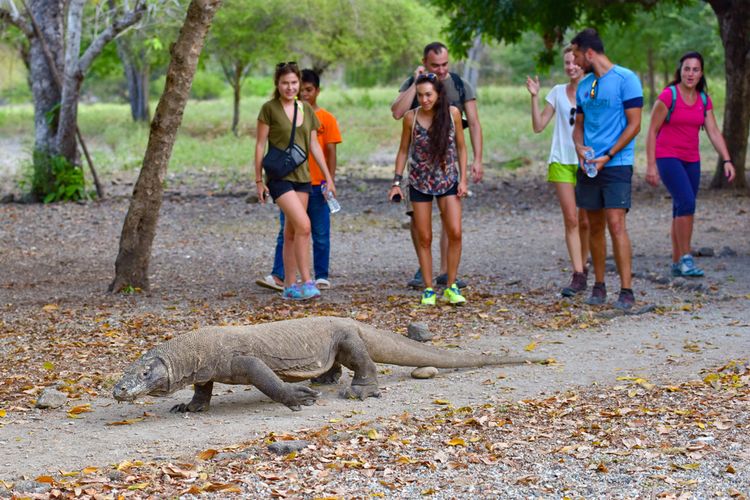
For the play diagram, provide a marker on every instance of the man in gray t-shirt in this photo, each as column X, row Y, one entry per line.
column 462, row 95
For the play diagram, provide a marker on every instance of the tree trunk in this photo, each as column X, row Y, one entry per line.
column 236, row 84
column 734, row 28
column 71, row 86
column 49, row 18
column 137, row 74
column 651, row 77
column 471, row 66
column 139, row 228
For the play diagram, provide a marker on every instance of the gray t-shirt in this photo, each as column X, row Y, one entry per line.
column 450, row 90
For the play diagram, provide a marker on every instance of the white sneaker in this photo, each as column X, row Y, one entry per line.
column 270, row 282
column 322, row 283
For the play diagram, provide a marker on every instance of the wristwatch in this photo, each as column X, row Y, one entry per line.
column 610, row 154
column 396, row 183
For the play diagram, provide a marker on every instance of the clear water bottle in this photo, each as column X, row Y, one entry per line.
column 588, row 165
column 333, row 204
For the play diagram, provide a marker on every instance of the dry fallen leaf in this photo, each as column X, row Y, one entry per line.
column 207, row 454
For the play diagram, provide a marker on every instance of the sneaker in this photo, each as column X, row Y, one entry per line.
column 322, row 284
column 417, row 281
column 292, row 293
column 309, row 290
column 442, row 279
column 676, row 269
column 453, row 295
column 598, row 295
column 428, row 297
column 688, row 268
column 577, row 285
column 270, row 282
column 625, row 301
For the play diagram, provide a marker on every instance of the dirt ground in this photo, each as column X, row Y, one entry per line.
column 59, row 327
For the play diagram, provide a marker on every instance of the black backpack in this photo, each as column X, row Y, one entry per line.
column 458, row 83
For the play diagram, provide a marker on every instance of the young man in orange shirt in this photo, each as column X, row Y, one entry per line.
column 317, row 208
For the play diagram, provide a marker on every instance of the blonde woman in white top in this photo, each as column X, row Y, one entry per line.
column 563, row 163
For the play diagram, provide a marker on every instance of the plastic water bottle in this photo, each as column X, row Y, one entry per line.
column 333, row 204
column 588, row 165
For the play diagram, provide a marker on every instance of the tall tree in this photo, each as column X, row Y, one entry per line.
column 139, row 228
column 245, row 34
column 56, row 70
column 507, row 20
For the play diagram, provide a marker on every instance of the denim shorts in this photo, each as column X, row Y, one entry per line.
column 279, row 187
column 609, row 189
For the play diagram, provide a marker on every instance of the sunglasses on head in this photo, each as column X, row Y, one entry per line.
column 430, row 77
column 593, row 88
column 288, row 63
column 572, row 119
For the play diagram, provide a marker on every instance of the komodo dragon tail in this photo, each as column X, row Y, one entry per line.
column 394, row 349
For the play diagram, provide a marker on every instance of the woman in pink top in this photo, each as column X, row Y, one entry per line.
column 672, row 150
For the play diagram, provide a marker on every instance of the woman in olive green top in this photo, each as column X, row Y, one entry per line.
column 292, row 192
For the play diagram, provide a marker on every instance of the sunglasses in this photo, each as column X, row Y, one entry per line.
column 593, row 88
column 430, row 77
column 572, row 119
column 288, row 63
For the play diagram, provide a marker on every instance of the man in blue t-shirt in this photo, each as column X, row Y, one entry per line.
column 609, row 100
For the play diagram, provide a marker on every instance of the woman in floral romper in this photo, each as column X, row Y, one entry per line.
column 432, row 142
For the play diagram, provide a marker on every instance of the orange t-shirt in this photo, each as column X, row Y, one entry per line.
column 328, row 133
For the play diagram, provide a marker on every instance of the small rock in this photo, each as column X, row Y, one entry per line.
column 679, row 282
column 406, row 224
column 727, row 252
column 252, row 198
column 703, row 252
column 31, row 487
column 286, row 447
column 424, row 372
column 51, row 398
column 8, row 198
column 419, row 331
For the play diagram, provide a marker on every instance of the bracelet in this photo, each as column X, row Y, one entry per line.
column 397, row 177
column 724, row 162
column 258, row 182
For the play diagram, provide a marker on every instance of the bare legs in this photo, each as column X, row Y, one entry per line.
column 296, row 236
column 450, row 212
column 682, row 234
column 576, row 226
column 614, row 220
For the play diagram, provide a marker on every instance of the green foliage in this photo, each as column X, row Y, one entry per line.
column 508, row 20
column 53, row 178
column 259, row 86
column 207, row 85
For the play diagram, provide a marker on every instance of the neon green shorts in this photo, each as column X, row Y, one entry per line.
column 558, row 172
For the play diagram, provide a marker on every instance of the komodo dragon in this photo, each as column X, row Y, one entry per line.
column 270, row 355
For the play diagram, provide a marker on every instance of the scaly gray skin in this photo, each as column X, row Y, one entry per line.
column 271, row 355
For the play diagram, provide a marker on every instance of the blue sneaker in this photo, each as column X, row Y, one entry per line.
column 676, row 269
column 688, row 268
column 309, row 290
column 417, row 281
column 292, row 293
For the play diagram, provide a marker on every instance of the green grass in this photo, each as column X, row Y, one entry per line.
column 370, row 134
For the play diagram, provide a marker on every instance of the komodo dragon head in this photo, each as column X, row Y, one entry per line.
column 146, row 375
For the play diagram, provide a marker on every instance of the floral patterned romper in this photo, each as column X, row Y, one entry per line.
column 425, row 176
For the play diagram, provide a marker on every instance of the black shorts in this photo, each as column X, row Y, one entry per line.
column 418, row 196
column 279, row 187
column 609, row 189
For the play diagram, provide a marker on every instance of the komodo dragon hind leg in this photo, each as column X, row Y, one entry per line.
column 353, row 354
column 330, row 377
column 256, row 372
column 201, row 399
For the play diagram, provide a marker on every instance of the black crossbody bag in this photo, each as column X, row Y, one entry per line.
column 278, row 163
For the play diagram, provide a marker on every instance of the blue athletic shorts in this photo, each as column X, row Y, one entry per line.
column 609, row 189
column 682, row 179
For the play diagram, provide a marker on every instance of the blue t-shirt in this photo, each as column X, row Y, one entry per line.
column 603, row 102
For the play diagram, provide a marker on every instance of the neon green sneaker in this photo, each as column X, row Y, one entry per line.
column 428, row 297
column 453, row 295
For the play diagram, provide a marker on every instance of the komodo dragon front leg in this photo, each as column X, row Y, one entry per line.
column 352, row 353
column 251, row 370
column 201, row 399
